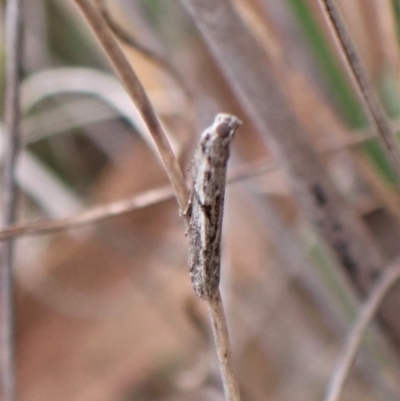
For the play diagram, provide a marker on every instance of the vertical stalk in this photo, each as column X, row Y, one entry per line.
column 223, row 348
column 354, row 339
column 13, row 41
column 372, row 105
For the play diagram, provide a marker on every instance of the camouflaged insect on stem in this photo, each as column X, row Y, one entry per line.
column 207, row 204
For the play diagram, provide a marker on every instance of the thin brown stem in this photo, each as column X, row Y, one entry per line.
column 120, row 207
column 11, row 128
column 361, row 82
column 128, row 39
column 138, row 96
column 93, row 215
column 368, row 311
column 221, row 338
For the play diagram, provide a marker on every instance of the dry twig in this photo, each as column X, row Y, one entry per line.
column 221, row 338
column 120, row 207
column 361, row 83
column 127, row 38
column 138, row 96
column 93, row 215
column 157, row 59
column 11, row 127
column 368, row 311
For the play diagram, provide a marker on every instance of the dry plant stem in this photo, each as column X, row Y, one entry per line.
column 369, row 309
column 361, row 82
column 93, row 215
column 221, row 339
column 120, row 207
column 128, row 39
column 13, row 51
column 138, row 96
column 161, row 62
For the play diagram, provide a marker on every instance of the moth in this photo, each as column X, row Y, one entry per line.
column 206, row 204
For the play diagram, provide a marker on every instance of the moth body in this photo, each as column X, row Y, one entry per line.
column 207, row 203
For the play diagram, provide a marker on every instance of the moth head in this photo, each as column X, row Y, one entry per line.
column 226, row 124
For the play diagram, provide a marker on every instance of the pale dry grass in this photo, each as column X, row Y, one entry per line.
column 106, row 311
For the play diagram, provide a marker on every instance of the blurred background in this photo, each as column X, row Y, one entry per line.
column 106, row 312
